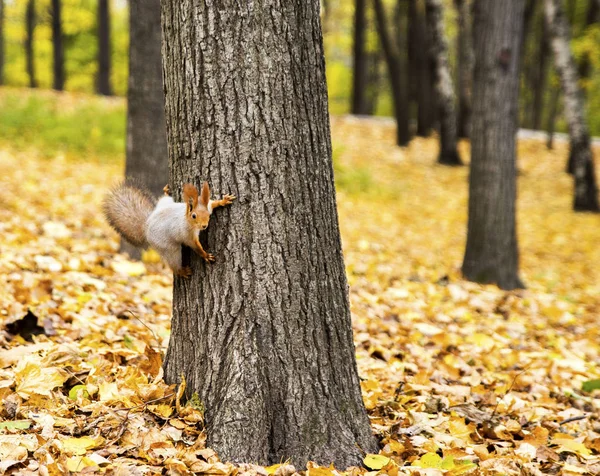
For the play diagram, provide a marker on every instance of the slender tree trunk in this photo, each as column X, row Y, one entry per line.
column 528, row 68
column 396, row 75
column 539, row 88
column 420, row 71
column 360, row 70
column 1, row 42
column 374, row 81
column 584, row 67
column 592, row 17
column 492, row 254
column 57, row 47
column 401, row 39
column 147, row 161
column 104, row 48
column 443, row 84
column 552, row 115
column 263, row 336
column 29, row 53
column 586, row 190
column 465, row 66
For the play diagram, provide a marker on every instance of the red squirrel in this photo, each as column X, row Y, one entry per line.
column 165, row 225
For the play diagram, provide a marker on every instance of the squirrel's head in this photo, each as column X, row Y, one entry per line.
column 197, row 212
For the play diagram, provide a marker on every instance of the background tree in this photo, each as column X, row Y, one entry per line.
column 586, row 190
column 57, row 47
column 491, row 254
column 147, row 161
column 465, row 61
column 592, row 17
column 29, row 53
column 552, row 116
column 421, row 71
column 397, row 66
column 104, row 48
column 263, row 335
column 443, row 84
column 1, row 42
column 541, row 75
column 360, row 71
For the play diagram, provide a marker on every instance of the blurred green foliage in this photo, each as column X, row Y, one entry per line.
column 80, row 23
column 78, row 125
column 80, row 43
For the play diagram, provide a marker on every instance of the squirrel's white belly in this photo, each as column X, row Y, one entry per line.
column 166, row 225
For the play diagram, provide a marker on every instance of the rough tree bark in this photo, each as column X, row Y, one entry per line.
column 263, row 335
column 1, row 42
column 104, row 48
column 147, row 161
column 491, row 254
column 465, row 60
column 57, row 47
column 29, row 53
column 420, row 68
column 443, row 84
column 396, row 66
column 586, row 190
column 360, row 71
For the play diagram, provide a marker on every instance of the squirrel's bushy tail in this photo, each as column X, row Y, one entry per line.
column 127, row 208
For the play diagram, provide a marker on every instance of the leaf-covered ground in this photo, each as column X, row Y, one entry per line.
column 457, row 378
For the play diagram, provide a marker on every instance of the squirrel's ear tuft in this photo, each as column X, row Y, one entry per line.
column 190, row 196
column 205, row 197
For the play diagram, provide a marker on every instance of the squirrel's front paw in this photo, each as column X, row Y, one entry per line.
column 228, row 199
column 167, row 190
column 184, row 272
column 209, row 258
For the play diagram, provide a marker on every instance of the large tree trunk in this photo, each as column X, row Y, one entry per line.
column 465, row 66
column 57, row 47
column 420, row 68
column 492, row 253
column 263, row 336
column 443, row 84
column 396, row 74
column 586, row 191
column 360, row 72
column 29, row 53
column 104, row 48
column 147, row 161
column 1, row 42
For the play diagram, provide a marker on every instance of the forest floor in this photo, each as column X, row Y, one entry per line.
column 457, row 378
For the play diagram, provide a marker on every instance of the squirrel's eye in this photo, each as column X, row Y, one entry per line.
column 193, row 216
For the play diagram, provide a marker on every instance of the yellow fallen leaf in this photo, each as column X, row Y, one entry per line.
column 163, row 411
column 271, row 469
column 372, row 461
column 76, row 464
column 571, row 446
column 108, row 391
column 79, row 446
column 32, row 379
column 129, row 268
